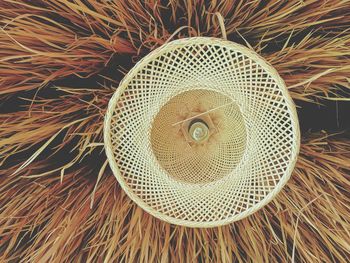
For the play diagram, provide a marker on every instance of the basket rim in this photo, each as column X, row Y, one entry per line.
column 208, row 41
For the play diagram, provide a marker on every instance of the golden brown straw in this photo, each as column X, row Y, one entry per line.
column 60, row 63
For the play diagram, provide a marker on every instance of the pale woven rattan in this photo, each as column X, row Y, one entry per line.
column 251, row 128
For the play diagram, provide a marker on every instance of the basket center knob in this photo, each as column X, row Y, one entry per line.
column 198, row 130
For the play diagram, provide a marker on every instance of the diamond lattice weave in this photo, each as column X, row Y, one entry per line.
column 252, row 142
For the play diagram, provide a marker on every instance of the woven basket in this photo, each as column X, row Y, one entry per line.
column 202, row 132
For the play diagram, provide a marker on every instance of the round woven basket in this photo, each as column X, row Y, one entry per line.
column 202, row 132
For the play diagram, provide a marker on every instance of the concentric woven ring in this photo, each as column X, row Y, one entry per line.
column 253, row 128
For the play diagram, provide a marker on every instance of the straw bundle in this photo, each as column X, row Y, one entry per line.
column 60, row 63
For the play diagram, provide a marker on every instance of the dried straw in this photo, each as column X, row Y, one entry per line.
column 42, row 218
column 60, row 62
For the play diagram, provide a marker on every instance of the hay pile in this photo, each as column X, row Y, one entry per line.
column 61, row 61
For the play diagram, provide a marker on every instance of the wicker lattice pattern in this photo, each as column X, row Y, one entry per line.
column 199, row 163
column 252, row 142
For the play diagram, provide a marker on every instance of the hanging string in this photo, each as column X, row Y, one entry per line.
column 222, row 25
